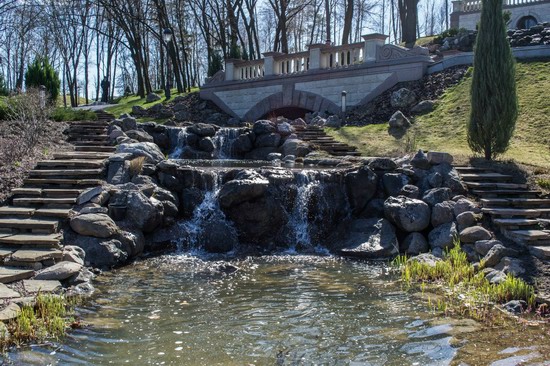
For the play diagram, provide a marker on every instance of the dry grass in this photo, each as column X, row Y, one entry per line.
column 136, row 165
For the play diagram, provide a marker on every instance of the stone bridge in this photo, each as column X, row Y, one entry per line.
column 314, row 80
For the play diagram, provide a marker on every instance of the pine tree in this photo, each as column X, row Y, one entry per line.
column 493, row 94
column 40, row 72
column 3, row 88
column 216, row 64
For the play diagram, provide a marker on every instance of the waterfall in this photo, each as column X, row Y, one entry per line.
column 208, row 227
column 181, row 143
column 224, row 140
column 299, row 227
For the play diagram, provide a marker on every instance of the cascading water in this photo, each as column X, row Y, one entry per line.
column 299, row 224
column 181, row 144
column 224, row 141
column 208, row 228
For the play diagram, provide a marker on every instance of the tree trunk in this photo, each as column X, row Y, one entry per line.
column 348, row 18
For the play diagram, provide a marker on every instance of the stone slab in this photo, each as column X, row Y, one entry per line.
column 16, row 211
column 28, row 239
column 36, row 255
column 9, row 312
column 33, row 286
column 12, row 274
column 7, row 293
column 6, row 251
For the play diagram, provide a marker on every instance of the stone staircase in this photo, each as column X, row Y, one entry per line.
column 520, row 214
column 30, row 237
column 317, row 136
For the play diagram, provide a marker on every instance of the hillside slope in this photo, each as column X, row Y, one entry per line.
column 445, row 128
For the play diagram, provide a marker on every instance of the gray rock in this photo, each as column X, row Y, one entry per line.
column 465, row 220
column 398, row 120
column 85, row 275
column 410, row 191
column 394, row 183
column 420, row 161
column 471, row 253
column 140, row 136
column 274, row 156
column 515, row 306
column 96, row 225
column 206, row 144
column 285, row 129
column 238, row 191
column 483, row 246
column 243, row 144
column 495, row 255
column 465, row 205
column 72, row 253
column 442, row 213
column 333, row 121
column 263, row 127
column 268, row 140
column 415, row 243
column 219, row 237
column 474, row 233
column 428, row 259
column 138, row 111
column 129, row 123
column 443, row 236
column 371, row 238
column 144, row 213
column 182, row 115
column 260, row 153
column 59, row 271
column 436, row 158
column 149, row 150
column 361, row 186
column 425, row 106
column 402, row 98
column 436, row 195
column 202, row 129
column 118, row 172
column 495, row 277
column 384, row 164
column 435, row 180
column 101, row 253
column 407, row 214
column 513, row 266
column 152, row 97
column 437, row 252
column 88, row 194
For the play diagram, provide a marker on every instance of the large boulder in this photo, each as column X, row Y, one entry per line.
column 370, row 238
column 402, row 98
column 398, row 120
column 443, row 236
column 141, row 136
column 60, row 271
column 425, row 106
column 149, row 150
column 152, row 97
column 415, row 243
column 394, row 183
column 474, row 233
column 407, row 214
column 101, row 253
column 218, row 236
column 202, row 129
column 96, row 225
column 437, row 195
column 143, row 212
column 268, row 140
column 260, row 153
column 442, row 213
column 420, row 160
column 361, row 187
column 240, row 190
column 263, row 127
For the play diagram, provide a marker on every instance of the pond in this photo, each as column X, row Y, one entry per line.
column 274, row 310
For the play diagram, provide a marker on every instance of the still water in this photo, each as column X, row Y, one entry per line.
column 276, row 310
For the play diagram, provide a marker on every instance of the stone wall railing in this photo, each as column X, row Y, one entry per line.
column 318, row 57
column 470, row 6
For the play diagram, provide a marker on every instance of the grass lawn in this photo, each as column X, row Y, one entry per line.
column 445, row 128
column 125, row 104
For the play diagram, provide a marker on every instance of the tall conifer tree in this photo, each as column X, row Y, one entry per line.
column 493, row 94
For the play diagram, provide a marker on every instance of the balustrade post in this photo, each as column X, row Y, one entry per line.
column 229, row 70
column 372, row 42
column 269, row 63
column 315, row 62
column 458, row 6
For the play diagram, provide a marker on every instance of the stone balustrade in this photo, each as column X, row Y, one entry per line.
column 468, row 6
column 319, row 56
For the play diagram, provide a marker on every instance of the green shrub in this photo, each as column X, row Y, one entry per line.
column 40, row 72
column 61, row 114
column 3, row 87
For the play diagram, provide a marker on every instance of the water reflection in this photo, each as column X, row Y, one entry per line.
column 287, row 310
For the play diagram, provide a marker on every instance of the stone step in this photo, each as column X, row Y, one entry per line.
column 36, row 254
column 470, row 169
column 530, row 237
column 516, row 223
column 43, row 201
column 344, row 153
column 95, row 148
column 84, row 163
column 33, row 212
column 507, row 192
column 511, row 212
column 515, row 202
column 495, row 186
column 65, row 172
column 486, row 177
column 81, row 155
column 87, row 137
column 70, row 182
column 95, row 123
column 50, row 240
column 540, row 252
column 12, row 274
column 90, row 143
column 29, row 224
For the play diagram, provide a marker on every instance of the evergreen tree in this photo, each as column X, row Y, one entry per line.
column 493, row 94
column 40, row 72
column 3, row 88
column 216, row 64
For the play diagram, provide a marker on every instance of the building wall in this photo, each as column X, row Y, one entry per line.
column 541, row 12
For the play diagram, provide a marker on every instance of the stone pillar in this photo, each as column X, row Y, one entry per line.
column 229, row 70
column 372, row 42
column 458, row 6
column 315, row 56
column 269, row 63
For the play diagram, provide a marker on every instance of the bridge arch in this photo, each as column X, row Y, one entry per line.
column 291, row 99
